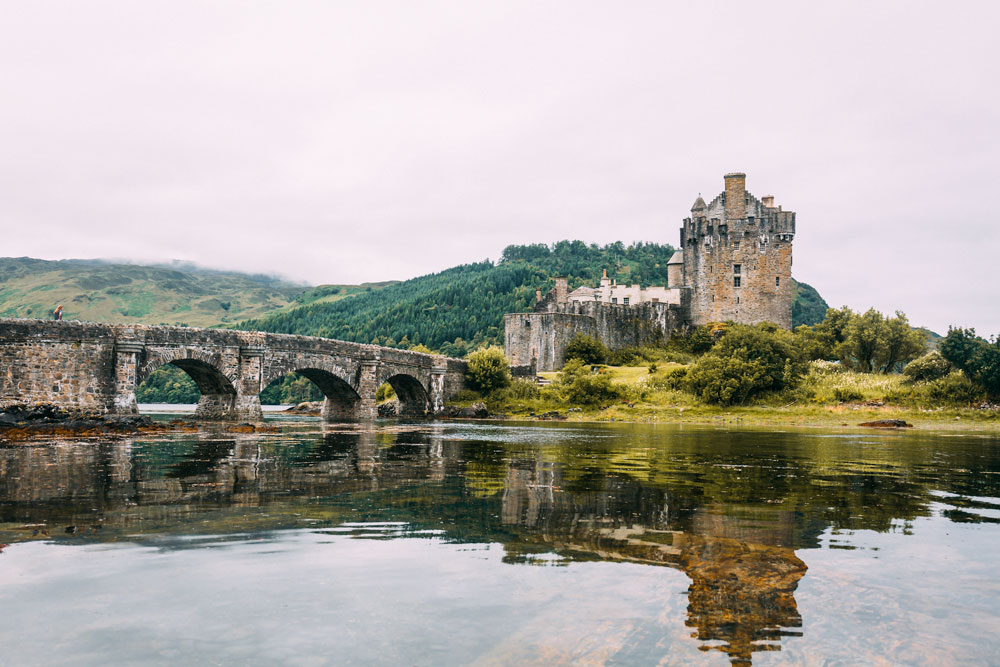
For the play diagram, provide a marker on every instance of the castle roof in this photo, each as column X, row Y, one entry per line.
column 699, row 204
column 677, row 257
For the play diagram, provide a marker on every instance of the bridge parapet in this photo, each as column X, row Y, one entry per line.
column 97, row 367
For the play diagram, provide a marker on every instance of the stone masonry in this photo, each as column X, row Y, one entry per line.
column 734, row 264
column 97, row 368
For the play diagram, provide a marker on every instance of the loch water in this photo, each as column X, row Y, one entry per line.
column 449, row 543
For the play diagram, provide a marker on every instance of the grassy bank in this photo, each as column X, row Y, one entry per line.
column 826, row 397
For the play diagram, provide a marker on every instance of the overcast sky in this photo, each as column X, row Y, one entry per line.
column 341, row 142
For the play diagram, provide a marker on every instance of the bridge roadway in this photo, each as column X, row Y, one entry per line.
column 97, row 368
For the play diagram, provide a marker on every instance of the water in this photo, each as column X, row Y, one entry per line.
column 454, row 543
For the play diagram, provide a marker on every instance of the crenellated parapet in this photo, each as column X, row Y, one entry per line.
column 97, row 368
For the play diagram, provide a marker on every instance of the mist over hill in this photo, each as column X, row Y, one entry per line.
column 177, row 293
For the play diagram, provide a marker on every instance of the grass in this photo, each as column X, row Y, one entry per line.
column 814, row 403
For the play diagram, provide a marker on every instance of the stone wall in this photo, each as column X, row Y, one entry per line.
column 541, row 338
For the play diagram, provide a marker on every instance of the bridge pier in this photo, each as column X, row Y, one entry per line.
column 127, row 356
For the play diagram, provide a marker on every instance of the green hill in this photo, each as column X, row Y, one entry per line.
column 184, row 294
column 463, row 307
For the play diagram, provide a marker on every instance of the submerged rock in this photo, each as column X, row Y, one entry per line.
column 887, row 423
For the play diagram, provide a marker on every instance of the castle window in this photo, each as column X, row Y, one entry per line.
column 777, row 281
column 614, row 299
column 736, row 281
column 737, row 268
column 736, row 245
column 625, row 301
column 597, row 296
column 737, row 300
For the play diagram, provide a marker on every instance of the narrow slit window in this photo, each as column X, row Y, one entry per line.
column 777, row 281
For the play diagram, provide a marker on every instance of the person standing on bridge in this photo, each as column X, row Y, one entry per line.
column 57, row 313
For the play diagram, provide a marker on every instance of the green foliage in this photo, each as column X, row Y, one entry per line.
column 384, row 393
column 821, row 341
column 847, row 394
column 874, row 343
column 696, row 340
column 587, row 349
column 488, row 370
column 747, row 360
column 959, row 346
column 519, row 389
column 929, row 367
column 954, row 388
column 579, row 386
column 290, row 389
column 168, row 384
column 808, row 307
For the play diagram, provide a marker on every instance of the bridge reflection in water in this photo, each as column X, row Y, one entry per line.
column 732, row 534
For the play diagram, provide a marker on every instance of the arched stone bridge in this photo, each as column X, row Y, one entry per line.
column 97, row 367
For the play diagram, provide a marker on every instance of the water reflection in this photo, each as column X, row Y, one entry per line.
column 728, row 509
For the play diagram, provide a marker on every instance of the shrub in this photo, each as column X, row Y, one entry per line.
column 587, row 349
column 847, row 394
column 577, row 385
column 954, row 388
column 466, row 396
column 696, row 340
column 488, row 370
column 652, row 368
column 384, row 393
column 931, row 366
column 519, row 390
column 745, row 361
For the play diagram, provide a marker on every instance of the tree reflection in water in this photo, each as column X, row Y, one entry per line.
column 728, row 509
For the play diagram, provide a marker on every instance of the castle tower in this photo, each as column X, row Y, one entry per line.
column 738, row 257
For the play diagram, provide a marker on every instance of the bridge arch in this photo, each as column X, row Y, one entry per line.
column 413, row 396
column 218, row 391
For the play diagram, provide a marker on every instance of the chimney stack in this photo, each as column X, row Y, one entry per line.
column 767, row 201
column 736, row 192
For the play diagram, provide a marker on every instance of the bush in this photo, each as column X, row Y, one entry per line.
column 579, row 386
column 466, row 396
column 519, row 390
column 746, row 360
column 847, row 394
column 954, row 388
column 696, row 340
column 927, row 368
column 587, row 349
column 385, row 393
column 488, row 370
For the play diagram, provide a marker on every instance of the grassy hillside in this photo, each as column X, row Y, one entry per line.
column 101, row 291
column 463, row 307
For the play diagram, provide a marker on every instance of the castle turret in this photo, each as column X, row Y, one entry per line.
column 675, row 269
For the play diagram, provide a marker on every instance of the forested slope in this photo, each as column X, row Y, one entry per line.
column 463, row 307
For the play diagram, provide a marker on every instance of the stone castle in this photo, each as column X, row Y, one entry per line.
column 734, row 264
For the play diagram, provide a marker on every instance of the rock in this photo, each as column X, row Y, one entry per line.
column 480, row 410
column 388, row 409
column 552, row 415
column 306, row 408
column 887, row 423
